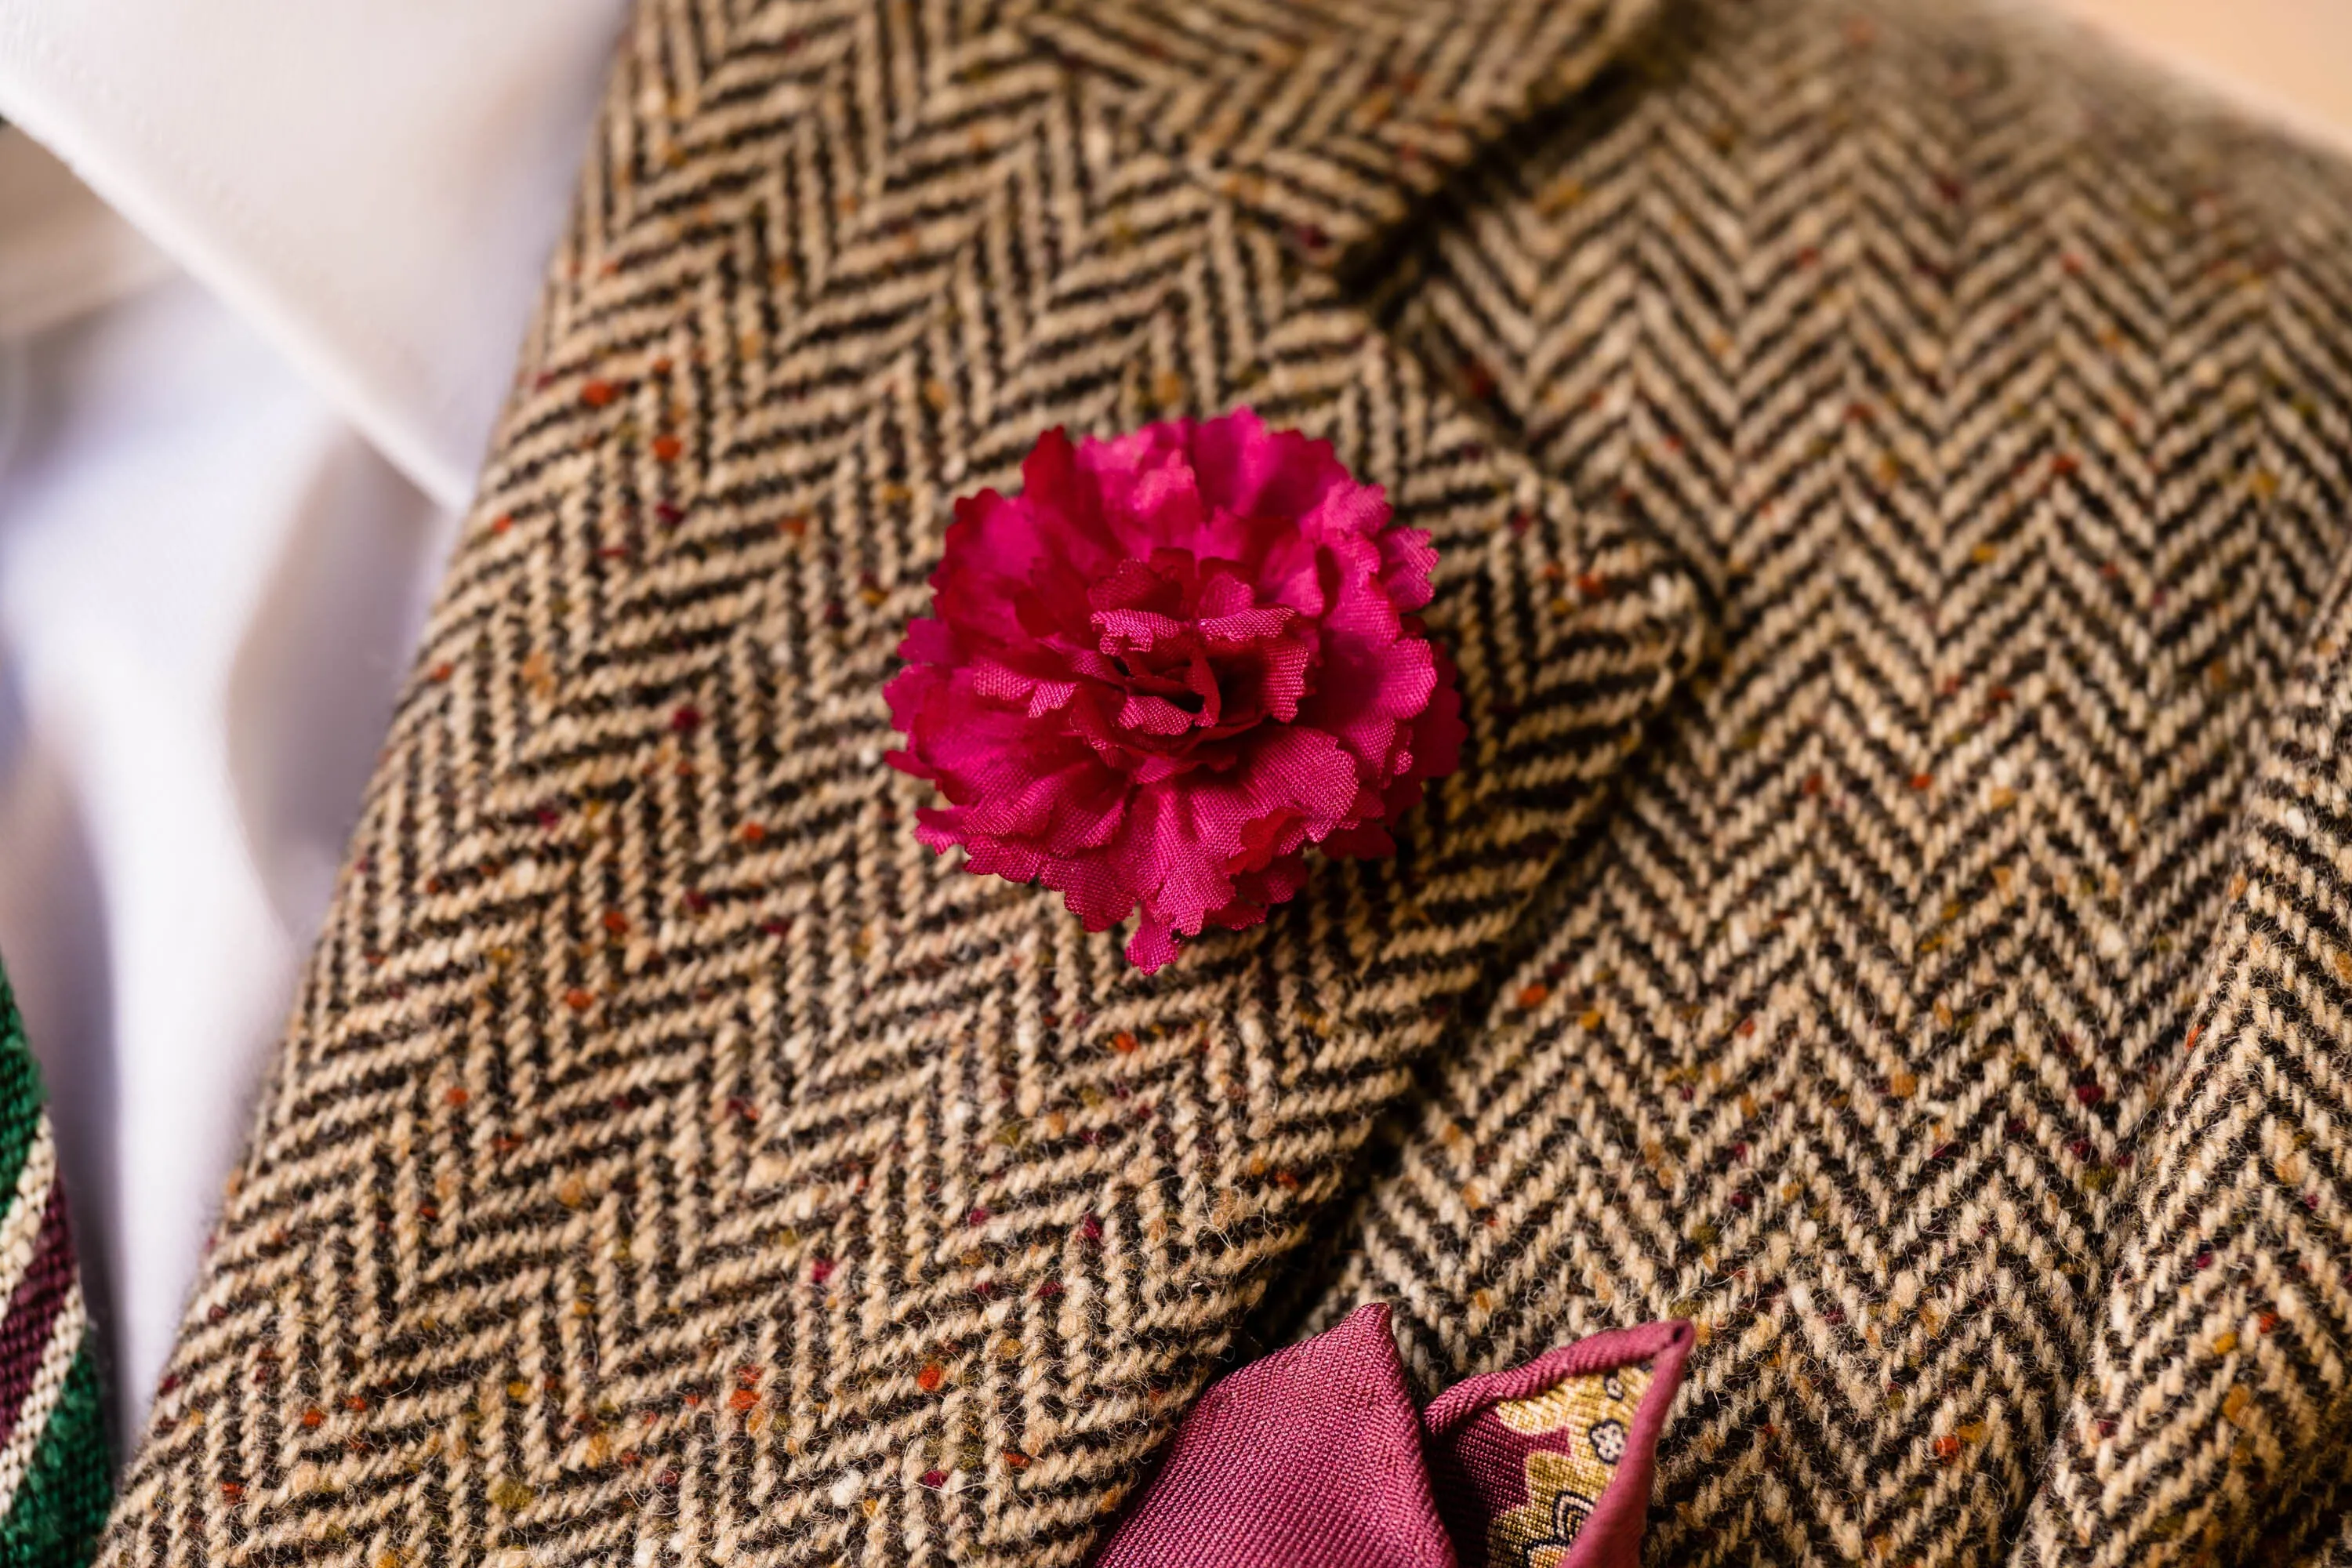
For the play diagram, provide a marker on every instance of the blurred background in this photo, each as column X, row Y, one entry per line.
column 2289, row 59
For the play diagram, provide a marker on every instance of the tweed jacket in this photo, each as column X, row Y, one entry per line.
column 1892, row 475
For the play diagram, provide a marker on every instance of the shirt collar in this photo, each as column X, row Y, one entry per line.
column 376, row 189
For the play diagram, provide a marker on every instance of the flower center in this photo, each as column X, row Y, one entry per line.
column 1195, row 654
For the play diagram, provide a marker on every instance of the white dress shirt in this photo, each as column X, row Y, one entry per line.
column 264, row 269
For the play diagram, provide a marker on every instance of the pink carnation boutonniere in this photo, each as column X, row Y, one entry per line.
column 1173, row 661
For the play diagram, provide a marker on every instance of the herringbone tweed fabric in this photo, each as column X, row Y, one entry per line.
column 1950, row 1017
column 1892, row 908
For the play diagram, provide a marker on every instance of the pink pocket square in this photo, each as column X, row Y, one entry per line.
column 1316, row 1458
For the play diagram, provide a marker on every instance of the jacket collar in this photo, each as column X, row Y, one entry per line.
column 1334, row 117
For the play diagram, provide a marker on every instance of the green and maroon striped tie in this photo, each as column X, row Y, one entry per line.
column 53, row 1461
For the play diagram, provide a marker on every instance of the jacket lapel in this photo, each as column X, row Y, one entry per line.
column 853, row 1201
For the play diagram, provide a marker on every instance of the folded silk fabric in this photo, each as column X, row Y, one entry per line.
column 1315, row 1457
column 1889, row 472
